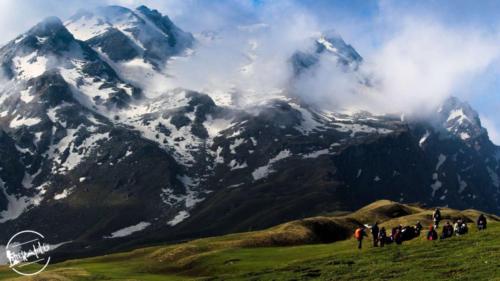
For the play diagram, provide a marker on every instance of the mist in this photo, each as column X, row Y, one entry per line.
column 417, row 66
column 250, row 61
column 413, row 71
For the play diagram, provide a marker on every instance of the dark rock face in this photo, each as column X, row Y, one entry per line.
column 108, row 42
column 85, row 157
column 176, row 37
column 51, row 88
column 58, row 38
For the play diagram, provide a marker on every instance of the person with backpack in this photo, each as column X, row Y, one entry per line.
column 464, row 228
column 418, row 228
column 359, row 234
column 436, row 216
column 382, row 237
column 481, row 222
column 375, row 231
column 461, row 227
column 447, row 231
column 398, row 236
column 393, row 233
column 432, row 234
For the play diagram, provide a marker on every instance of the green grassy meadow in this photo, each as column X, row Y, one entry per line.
column 252, row 256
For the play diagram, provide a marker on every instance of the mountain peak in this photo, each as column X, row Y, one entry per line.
column 51, row 21
column 459, row 118
column 331, row 42
column 146, row 10
column 113, row 10
column 124, row 35
column 176, row 37
column 47, row 36
column 49, row 27
column 331, row 34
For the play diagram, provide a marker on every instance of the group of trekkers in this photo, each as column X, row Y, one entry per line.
column 401, row 233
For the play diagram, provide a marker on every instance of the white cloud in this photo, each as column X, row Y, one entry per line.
column 425, row 62
column 416, row 67
column 250, row 59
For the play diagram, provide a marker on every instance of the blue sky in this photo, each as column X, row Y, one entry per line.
column 371, row 26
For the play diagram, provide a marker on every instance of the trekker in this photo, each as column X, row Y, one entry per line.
column 461, row 227
column 359, row 234
column 481, row 222
column 393, row 233
column 436, row 216
column 398, row 236
column 464, row 228
column 447, row 231
column 382, row 236
column 432, row 234
column 418, row 228
column 456, row 226
column 375, row 231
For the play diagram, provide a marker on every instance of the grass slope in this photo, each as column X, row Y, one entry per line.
column 293, row 251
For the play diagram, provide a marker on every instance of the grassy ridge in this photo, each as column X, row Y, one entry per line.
column 262, row 255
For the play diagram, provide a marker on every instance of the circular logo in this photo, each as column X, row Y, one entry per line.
column 26, row 252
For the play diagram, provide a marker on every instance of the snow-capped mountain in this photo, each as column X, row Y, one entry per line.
column 460, row 119
column 136, row 43
column 142, row 35
column 329, row 43
column 88, row 157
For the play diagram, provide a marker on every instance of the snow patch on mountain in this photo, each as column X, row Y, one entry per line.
column 264, row 171
column 424, row 139
column 458, row 115
column 170, row 198
column 462, row 184
column 237, row 142
column 89, row 92
column 218, row 156
column 30, row 66
column 180, row 217
column 67, row 153
column 25, row 96
column 24, row 121
column 216, row 126
column 436, row 185
column 308, row 123
column 16, row 205
column 464, row 136
column 86, row 27
column 192, row 195
column 28, row 178
column 316, row 154
column 128, row 230
column 441, row 159
column 234, row 165
column 63, row 194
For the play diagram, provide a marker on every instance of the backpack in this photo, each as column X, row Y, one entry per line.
column 358, row 233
